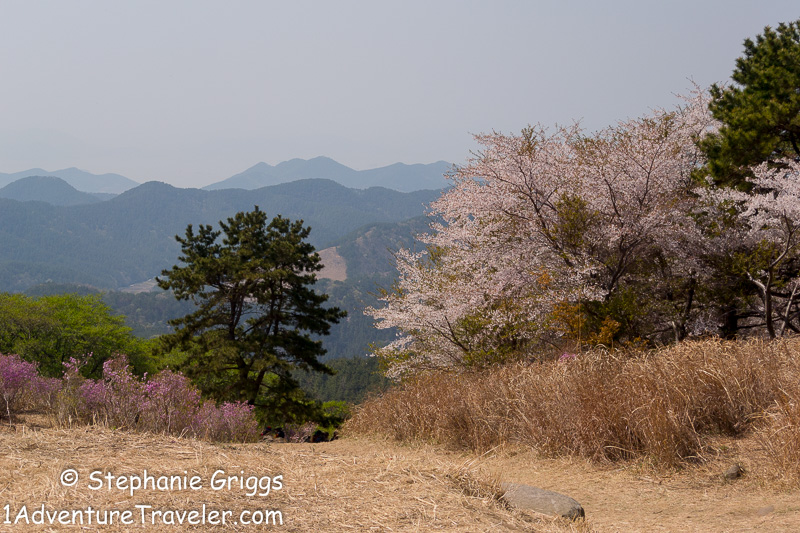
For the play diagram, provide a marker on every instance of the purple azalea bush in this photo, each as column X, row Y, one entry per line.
column 21, row 384
column 165, row 403
column 231, row 421
column 169, row 404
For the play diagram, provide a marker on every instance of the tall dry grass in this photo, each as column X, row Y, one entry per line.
column 655, row 405
column 779, row 427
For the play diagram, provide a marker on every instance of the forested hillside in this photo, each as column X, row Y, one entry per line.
column 130, row 238
column 370, row 266
column 47, row 189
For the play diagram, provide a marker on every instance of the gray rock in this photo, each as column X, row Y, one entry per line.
column 541, row 501
column 734, row 472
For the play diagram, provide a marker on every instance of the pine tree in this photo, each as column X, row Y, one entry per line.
column 256, row 312
column 760, row 112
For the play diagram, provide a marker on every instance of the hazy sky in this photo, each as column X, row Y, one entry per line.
column 192, row 92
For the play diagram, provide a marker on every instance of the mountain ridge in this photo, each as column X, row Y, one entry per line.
column 131, row 237
column 49, row 189
column 79, row 179
column 398, row 176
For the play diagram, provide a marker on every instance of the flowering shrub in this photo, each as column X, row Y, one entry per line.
column 68, row 406
column 228, row 422
column 44, row 392
column 122, row 391
column 170, row 403
column 165, row 403
column 20, row 383
column 92, row 397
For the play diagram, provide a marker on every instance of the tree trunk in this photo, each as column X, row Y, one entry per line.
column 730, row 321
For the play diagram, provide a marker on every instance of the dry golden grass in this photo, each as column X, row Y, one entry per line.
column 345, row 485
column 662, row 407
column 627, row 497
column 360, row 484
column 779, row 426
column 605, row 423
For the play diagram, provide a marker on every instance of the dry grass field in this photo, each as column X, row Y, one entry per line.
column 630, row 497
column 359, row 484
column 663, row 406
column 641, row 441
column 345, row 485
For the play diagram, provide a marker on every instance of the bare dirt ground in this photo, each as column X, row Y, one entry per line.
column 335, row 266
column 363, row 485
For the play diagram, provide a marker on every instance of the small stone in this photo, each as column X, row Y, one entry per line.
column 542, row 501
column 734, row 472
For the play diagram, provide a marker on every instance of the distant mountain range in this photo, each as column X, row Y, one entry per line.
column 79, row 179
column 130, row 238
column 49, row 189
column 399, row 177
column 54, row 238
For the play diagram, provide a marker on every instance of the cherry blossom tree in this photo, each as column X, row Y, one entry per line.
column 541, row 220
column 763, row 236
